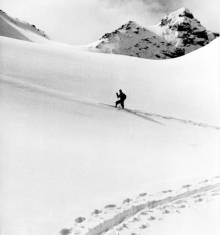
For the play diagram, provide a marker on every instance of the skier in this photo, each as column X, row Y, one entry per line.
column 122, row 98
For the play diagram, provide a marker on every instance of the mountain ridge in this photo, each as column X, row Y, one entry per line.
column 22, row 30
column 175, row 35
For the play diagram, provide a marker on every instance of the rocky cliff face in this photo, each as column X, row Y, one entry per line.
column 177, row 34
column 183, row 30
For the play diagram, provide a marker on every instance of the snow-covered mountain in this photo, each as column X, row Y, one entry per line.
column 177, row 34
column 15, row 28
column 65, row 151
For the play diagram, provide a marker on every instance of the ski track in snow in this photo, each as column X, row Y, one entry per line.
column 176, row 200
column 41, row 89
column 67, row 96
column 143, row 114
column 147, row 116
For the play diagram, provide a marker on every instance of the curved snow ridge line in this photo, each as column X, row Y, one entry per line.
column 199, row 124
column 133, row 210
column 68, row 96
column 41, row 89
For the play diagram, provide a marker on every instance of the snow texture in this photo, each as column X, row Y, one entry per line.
column 65, row 151
column 136, row 215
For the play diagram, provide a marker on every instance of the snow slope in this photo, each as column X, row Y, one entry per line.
column 96, row 77
column 65, row 152
column 14, row 28
column 136, row 216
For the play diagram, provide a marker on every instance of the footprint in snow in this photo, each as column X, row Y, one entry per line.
column 143, row 226
column 142, row 195
column 167, row 191
column 151, row 218
column 180, row 201
column 187, row 186
column 199, row 195
column 204, row 181
column 166, row 212
column 65, row 231
column 110, row 206
column 144, row 213
column 150, row 211
column 182, row 206
column 215, row 190
column 122, row 227
column 216, row 194
column 96, row 212
column 198, row 200
column 135, row 219
column 127, row 200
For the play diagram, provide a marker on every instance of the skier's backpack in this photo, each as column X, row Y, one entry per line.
column 124, row 96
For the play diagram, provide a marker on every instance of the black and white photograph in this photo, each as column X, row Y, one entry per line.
column 109, row 117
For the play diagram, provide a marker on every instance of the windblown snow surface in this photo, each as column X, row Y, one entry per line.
column 65, row 152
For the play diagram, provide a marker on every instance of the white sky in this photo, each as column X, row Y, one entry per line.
column 84, row 21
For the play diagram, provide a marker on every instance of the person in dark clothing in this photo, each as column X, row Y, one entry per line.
column 122, row 98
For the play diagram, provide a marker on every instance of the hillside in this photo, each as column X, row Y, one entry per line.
column 66, row 151
column 17, row 29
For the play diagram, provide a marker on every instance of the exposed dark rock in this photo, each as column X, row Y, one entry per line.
column 187, row 14
column 201, row 34
column 165, row 21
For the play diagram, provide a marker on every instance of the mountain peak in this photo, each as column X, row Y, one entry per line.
column 131, row 24
column 183, row 12
column 183, row 30
column 177, row 34
column 130, row 28
column 179, row 16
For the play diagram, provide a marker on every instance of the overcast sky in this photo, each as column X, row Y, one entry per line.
column 84, row 21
